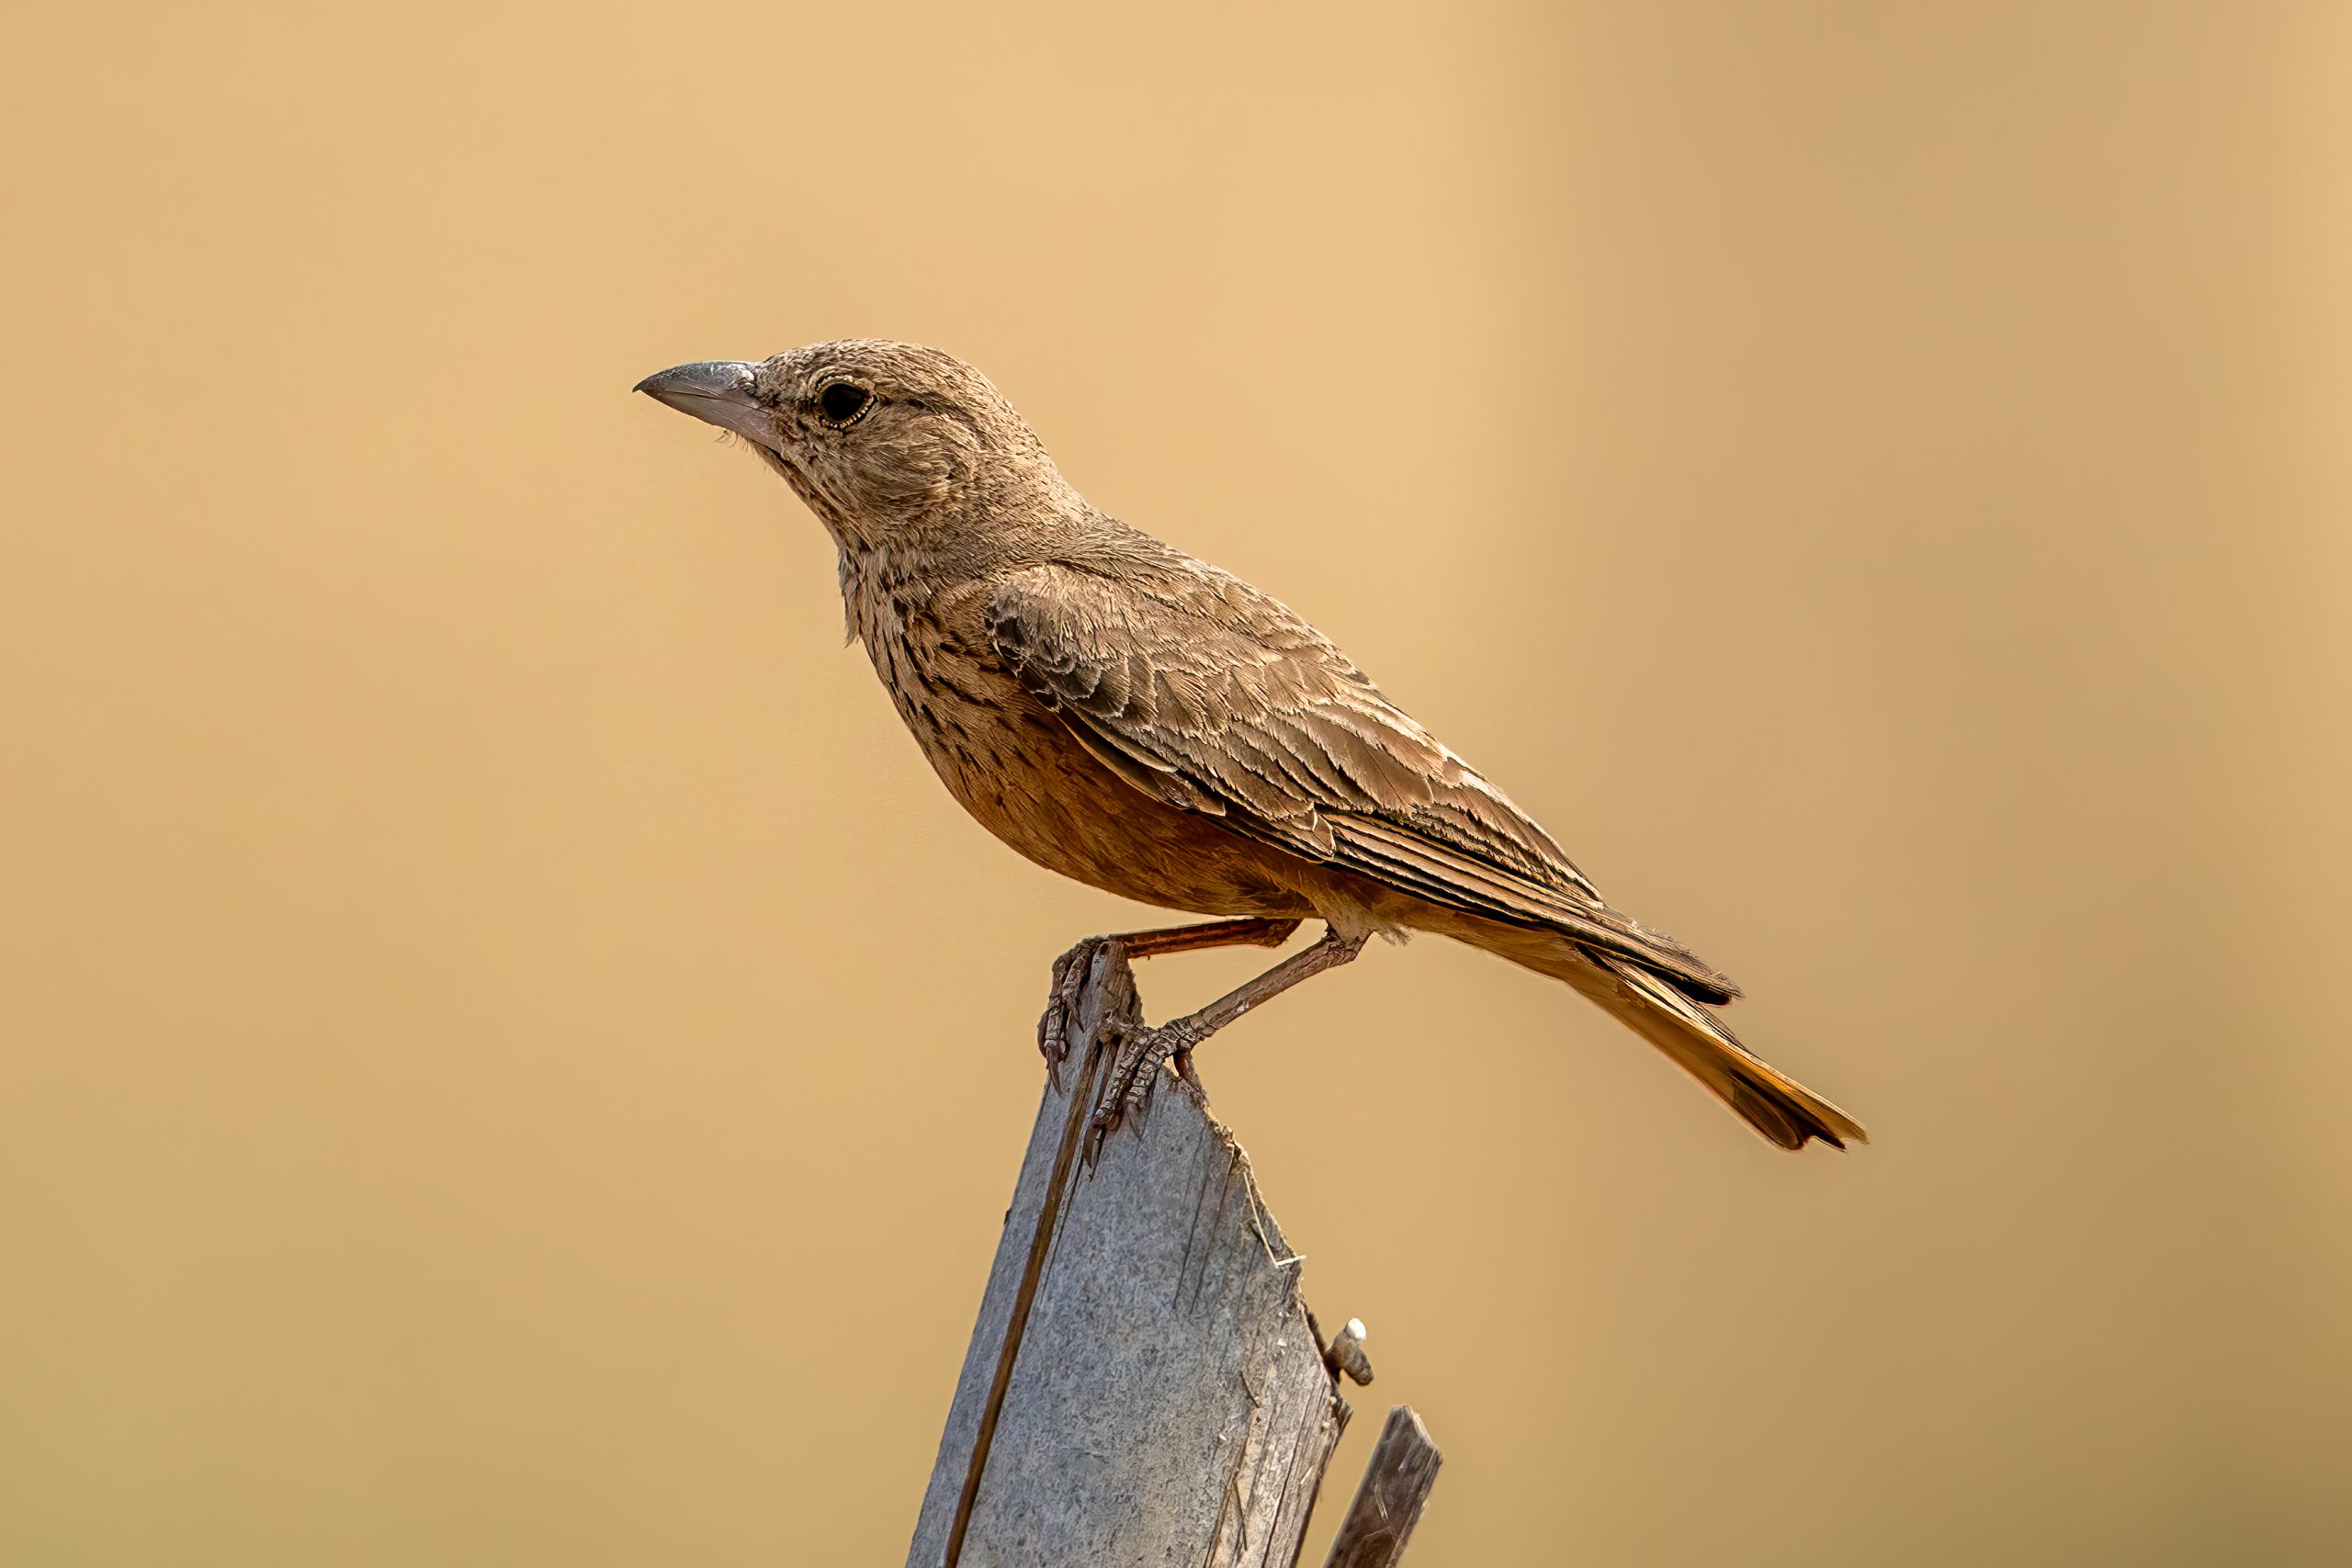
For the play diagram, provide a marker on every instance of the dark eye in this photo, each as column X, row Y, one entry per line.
column 841, row 404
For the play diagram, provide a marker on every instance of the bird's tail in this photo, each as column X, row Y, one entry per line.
column 1777, row 1106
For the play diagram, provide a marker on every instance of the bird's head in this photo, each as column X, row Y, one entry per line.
column 880, row 439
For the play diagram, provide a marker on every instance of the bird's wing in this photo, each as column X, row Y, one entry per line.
column 1205, row 693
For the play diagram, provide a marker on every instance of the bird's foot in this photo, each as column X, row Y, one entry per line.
column 1057, row 1025
column 1139, row 1050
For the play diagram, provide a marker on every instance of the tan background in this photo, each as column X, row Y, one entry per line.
column 1872, row 478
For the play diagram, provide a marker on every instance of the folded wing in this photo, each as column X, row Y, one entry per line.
column 1201, row 691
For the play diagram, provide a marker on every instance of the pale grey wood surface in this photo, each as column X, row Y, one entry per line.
column 1143, row 1387
column 1388, row 1503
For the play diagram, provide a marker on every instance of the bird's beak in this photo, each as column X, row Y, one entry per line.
column 717, row 392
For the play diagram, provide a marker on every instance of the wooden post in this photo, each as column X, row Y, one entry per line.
column 1143, row 1386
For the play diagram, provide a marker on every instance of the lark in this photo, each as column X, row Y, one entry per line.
column 1134, row 719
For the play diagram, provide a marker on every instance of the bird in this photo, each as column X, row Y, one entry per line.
column 1124, row 713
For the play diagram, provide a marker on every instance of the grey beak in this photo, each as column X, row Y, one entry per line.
column 717, row 392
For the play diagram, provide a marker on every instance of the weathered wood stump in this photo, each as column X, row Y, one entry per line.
column 1145, row 1386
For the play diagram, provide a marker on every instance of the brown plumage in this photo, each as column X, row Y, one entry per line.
column 1134, row 719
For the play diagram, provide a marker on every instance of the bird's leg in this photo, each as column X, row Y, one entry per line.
column 1248, row 932
column 1136, row 1068
column 1054, row 1026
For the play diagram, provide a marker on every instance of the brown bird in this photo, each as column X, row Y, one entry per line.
column 1124, row 713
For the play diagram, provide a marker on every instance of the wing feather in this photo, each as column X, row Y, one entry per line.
column 1199, row 691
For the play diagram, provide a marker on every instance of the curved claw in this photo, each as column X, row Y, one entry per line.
column 1134, row 1080
column 1058, row 1023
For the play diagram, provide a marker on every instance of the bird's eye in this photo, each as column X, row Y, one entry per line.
column 842, row 403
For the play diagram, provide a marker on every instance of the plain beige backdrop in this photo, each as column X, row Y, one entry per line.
column 507, row 1056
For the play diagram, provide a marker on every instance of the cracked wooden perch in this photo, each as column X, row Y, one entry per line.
column 1144, row 1387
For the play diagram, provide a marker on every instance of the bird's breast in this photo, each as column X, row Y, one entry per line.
column 1008, row 758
